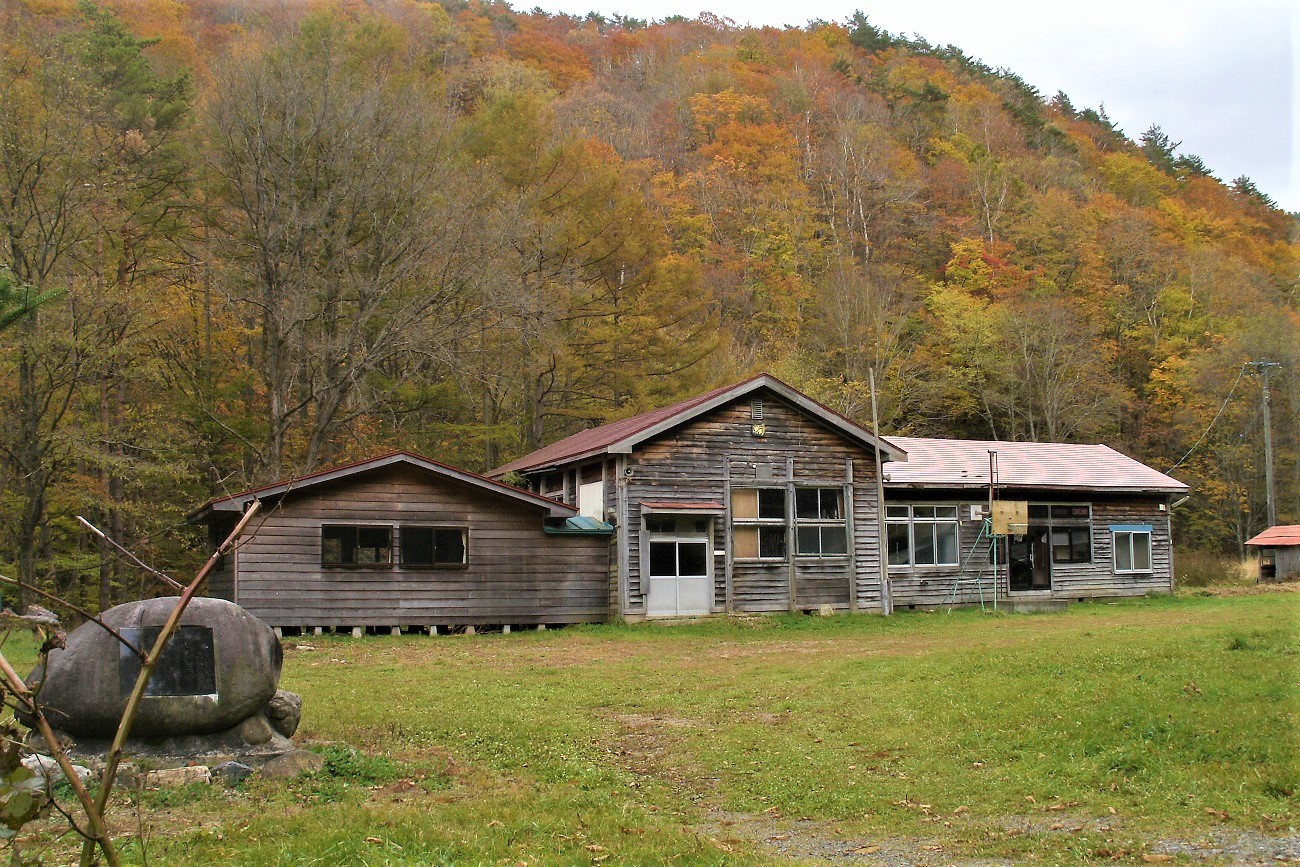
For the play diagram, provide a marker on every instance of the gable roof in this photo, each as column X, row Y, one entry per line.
column 620, row 437
column 939, row 463
column 1280, row 536
column 237, row 502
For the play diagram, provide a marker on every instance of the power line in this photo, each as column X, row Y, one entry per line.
column 1240, row 373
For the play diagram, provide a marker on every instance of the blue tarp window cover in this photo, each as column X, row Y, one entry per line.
column 1130, row 528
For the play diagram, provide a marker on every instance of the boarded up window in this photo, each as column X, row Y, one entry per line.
column 744, row 504
column 591, row 499
column 759, row 525
column 745, row 543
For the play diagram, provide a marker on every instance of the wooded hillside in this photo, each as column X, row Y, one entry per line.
column 285, row 235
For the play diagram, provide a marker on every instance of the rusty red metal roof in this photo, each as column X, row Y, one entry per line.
column 237, row 502
column 1280, row 536
column 620, row 436
column 941, row 463
column 597, row 439
column 682, row 506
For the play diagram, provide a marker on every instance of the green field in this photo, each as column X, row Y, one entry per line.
column 1103, row 734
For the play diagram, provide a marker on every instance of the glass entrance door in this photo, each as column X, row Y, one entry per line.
column 678, row 573
column 1030, row 560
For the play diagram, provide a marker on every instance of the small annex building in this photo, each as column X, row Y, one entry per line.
column 402, row 541
column 1279, row 552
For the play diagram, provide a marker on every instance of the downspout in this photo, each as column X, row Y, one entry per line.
column 850, row 531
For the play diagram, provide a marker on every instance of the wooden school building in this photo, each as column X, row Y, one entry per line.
column 749, row 498
column 405, row 542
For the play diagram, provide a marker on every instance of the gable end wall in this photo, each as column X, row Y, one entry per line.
column 516, row 573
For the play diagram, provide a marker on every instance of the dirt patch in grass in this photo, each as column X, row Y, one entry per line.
column 808, row 840
column 647, row 745
column 1228, row 591
column 1234, row 847
column 818, row 841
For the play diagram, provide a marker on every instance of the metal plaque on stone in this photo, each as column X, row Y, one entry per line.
column 187, row 665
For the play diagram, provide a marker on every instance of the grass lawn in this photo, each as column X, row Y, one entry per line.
column 1106, row 733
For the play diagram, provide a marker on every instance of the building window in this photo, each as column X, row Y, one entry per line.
column 758, row 523
column 1132, row 547
column 348, row 545
column 435, row 546
column 1071, row 545
column 1070, row 529
column 820, row 526
column 681, row 525
column 922, row 535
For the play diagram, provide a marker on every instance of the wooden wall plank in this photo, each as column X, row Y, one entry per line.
column 516, row 573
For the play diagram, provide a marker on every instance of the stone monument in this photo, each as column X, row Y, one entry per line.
column 214, row 690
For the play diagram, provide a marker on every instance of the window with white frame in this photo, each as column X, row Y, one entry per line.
column 758, row 523
column 922, row 535
column 821, row 529
column 1131, row 544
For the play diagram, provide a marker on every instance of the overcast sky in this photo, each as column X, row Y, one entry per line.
column 1218, row 75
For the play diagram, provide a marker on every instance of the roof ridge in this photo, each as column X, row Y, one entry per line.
column 619, row 435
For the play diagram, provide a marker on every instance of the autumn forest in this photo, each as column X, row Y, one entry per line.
column 242, row 241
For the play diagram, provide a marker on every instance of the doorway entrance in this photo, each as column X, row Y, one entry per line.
column 1029, row 559
column 679, row 560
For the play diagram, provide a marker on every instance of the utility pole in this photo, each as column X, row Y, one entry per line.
column 1262, row 368
column 886, row 592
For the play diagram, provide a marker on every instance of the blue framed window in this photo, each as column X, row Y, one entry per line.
column 1131, row 544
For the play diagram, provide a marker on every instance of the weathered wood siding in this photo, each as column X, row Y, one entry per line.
column 1286, row 560
column 946, row 585
column 972, row 581
column 221, row 580
column 1098, row 578
column 702, row 460
column 516, row 573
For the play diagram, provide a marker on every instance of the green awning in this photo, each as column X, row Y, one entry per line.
column 579, row 526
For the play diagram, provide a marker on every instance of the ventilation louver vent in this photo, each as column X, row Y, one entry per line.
column 756, row 410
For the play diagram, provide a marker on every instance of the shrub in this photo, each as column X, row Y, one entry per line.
column 1207, row 569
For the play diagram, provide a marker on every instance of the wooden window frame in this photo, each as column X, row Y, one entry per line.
column 1071, row 531
column 759, row 524
column 434, row 528
column 1054, row 521
column 353, row 564
column 912, row 522
column 819, row 522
